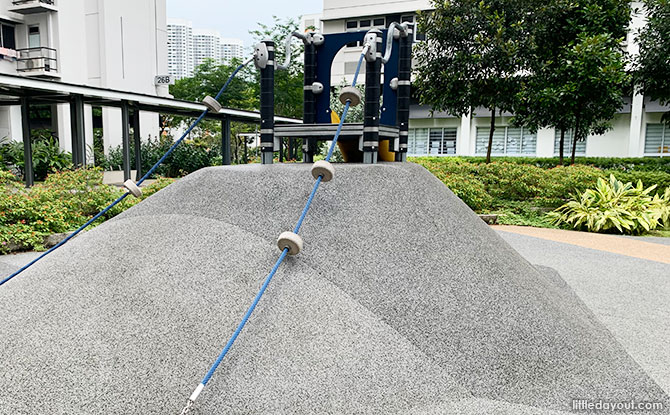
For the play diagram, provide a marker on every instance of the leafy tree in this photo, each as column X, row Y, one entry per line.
column 208, row 79
column 473, row 56
column 653, row 65
column 244, row 90
column 575, row 64
column 355, row 114
column 288, row 82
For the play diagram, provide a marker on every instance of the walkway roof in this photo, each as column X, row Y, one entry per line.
column 12, row 87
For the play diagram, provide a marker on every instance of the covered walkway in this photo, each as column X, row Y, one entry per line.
column 22, row 91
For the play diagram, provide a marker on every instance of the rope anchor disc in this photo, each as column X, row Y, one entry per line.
column 290, row 240
column 133, row 188
column 324, row 169
column 352, row 94
column 211, row 104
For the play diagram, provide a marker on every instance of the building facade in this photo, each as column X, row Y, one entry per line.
column 637, row 129
column 110, row 44
column 180, row 48
column 188, row 48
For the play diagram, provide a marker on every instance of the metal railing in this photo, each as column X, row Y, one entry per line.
column 22, row 2
column 37, row 60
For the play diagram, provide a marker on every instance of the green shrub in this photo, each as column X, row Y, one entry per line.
column 648, row 178
column 47, row 157
column 614, row 206
column 64, row 202
column 188, row 156
column 605, row 163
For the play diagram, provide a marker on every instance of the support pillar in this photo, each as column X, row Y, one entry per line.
column 225, row 141
column 404, row 91
column 77, row 130
column 28, row 173
column 635, row 137
column 268, row 103
column 137, row 138
column 373, row 65
column 309, row 147
column 125, row 135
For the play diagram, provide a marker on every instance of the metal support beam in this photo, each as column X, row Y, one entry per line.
column 78, row 131
column 268, row 105
column 225, row 141
column 309, row 147
column 138, row 144
column 404, row 91
column 27, row 147
column 125, row 129
column 371, row 109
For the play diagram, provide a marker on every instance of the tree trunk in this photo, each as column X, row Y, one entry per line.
column 560, row 147
column 493, row 128
column 246, row 157
column 575, row 136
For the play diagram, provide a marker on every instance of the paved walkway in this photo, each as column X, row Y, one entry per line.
column 624, row 281
column 648, row 248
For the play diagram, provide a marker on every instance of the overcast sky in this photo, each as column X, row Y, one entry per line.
column 236, row 18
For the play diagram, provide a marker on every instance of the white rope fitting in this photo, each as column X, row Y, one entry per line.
column 351, row 94
column 324, row 169
column 211, row 104
column 290, row 240
column 132, row 188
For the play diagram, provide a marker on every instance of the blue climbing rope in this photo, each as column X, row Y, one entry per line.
column 268, row 279
column 149, row 173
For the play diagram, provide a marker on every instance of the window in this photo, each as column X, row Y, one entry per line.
column 657, row 140
column 34, row 37
column 364, row 23
column 506, row 140
column 352, row 24
column 7, row 36
column 580, row 149
column 350, row 68
column 433, row 141
column 418, row 37
column 379, row 22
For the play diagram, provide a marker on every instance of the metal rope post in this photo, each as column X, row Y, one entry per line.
column 404, row 90
column 373, row 65
column 265, row 61
column 309, row 100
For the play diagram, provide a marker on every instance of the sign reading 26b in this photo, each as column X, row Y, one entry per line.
column 163, row 80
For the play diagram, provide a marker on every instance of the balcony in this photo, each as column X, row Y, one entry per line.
column 40, row 62
column 32, row 6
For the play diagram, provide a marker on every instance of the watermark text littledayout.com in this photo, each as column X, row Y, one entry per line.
column 604, row 405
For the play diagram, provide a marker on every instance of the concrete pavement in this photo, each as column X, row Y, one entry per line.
column 630, row 295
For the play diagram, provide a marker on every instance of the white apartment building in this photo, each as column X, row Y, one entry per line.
column 311, row 22
column 188, row 48
column 180, row 48
column 116, row 44
column 230, row 48
column 637, row 131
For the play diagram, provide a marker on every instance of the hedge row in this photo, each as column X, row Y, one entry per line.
column 487, row 187
column 604, row 163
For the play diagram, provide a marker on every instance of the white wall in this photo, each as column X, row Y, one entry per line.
column 340, row 9
column 120, row 44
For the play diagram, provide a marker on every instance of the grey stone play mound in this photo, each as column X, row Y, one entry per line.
column 402, row 301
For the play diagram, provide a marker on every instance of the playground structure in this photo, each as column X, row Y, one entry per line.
column 397, row 298
column 388, row 122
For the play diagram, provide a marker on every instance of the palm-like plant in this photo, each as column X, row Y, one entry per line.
column 614, row 205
